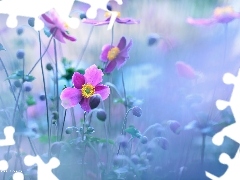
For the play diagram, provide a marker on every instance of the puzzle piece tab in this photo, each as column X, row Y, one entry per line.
column 231, row 131
column 44, row 170
column 9, row 140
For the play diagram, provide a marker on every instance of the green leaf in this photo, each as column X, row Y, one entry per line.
column 98, row 140
column 44, row 139
column 29, row 78
column 133, row 131
column 30, row 101
column 16, row 75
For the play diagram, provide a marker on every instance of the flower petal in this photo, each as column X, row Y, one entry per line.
column 127, row 21
column 105, row 50
column 124, row 52
column 205, row 22
column 93, row 75
column 85, row 104
column 57, row 34
column 110, row 67
column 47, row 19
column 70, row 97
column 70, row 38
column 103, row 90
column 78, row 80
column 122, row 43
column 120, row 62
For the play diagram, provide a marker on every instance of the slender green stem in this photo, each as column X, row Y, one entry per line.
column 85, row 47
column 56, row 82
column 64, row 118
column 45, row 93
column 41, row 56
column 123, row 128
column 124, row 92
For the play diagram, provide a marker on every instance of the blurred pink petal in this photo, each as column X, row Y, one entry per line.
column 93, row 75
column 184, row 70
column 70, row 97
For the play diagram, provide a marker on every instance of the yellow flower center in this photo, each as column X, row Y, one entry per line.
column 112, row 54
column 109, row 13
column 87, row 90
column 66, row 25
column 219, row 11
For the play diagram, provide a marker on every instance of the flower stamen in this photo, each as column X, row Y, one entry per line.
column 109, row 14
column 219, row 11
column 87, row 90
column 112, row 54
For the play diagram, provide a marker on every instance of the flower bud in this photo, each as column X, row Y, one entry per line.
column 153, row 39
column 8, row 156
column 135, row 159
column 42, row 97
column 31, row 22
column 19, row 31
column 137, row 111
column 49, row 66
column 56, row 148
column 101, row 115
column 144, row 139
column 69, row 130
column 20, row 54
column 174, row 126
column 94, row 101
column 82, row 16
column 162, row 142
column 27, row 86
column 17, row 83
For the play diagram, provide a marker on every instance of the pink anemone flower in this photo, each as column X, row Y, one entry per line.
column 222, row 15
column 115, row 56
column 84, row 87
column 57, row 27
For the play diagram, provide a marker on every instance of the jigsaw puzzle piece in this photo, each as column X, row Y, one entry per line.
column 233, row 172
column 9, row 133
column 3, row 165
column 228, row 148
column 44, row 170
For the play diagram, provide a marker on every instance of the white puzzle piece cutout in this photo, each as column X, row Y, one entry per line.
column 232, row 131
column 44, row 170
column 35, row 8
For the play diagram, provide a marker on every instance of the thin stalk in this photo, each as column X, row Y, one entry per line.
column 203, row 148
column 124, row 127
column 83, row 139
column 41, row 56
column 124, row 92
column 45, row 92
column 65, row 113
column 85, row 47
column 56, row 82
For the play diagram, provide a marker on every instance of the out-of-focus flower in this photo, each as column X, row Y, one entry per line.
column 57, row 27
column 185, row 70
column 107, row 21
column 220, row 15
column 84, row 87
column 115, row 55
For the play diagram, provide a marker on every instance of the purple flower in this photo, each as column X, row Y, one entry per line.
column 57, row 27
column 115, row 56
column 84, row 87
column 107, row 21
column 220, row 15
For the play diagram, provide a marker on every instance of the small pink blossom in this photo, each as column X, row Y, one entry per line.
column 185, row 70
column 57, row 27
column 84, row 87
column 222, row 15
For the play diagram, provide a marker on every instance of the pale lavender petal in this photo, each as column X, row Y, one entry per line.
column 105, row 50
column 85, row 104
column 103, row 90
column 57, row 34
column 122, row 43
column 204, row 22
column 120, row 62
column 127, row 21
column 47, row 19
column 90, row 21
column 124, row 52
column 93, row 75
column 226, row 18
column 70, row 38
column 70, row 97
column 78, row 80
column 110, row 67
